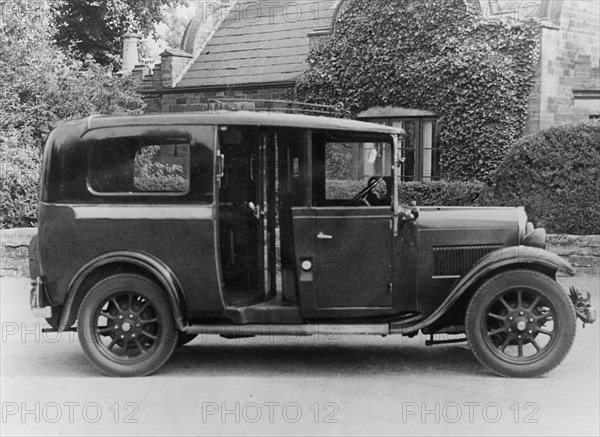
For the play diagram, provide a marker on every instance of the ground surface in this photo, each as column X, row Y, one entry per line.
column 285, row 386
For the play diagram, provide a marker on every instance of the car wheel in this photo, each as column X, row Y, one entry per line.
column 520, row 324
column 184, row 338
column 126, row 326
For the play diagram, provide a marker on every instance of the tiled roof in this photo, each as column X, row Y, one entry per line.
column 260, row 42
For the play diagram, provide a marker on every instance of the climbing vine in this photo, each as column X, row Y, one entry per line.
column 439, row 55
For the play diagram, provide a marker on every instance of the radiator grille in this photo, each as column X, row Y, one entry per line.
column 457, row 260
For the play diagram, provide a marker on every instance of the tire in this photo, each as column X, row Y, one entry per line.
column 184, row 338
column 122, row 342
column 520, row 324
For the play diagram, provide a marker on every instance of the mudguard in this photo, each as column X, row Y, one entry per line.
column 155, row 267
column 501, row 258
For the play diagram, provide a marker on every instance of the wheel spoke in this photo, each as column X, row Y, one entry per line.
column 107, row 315
column 544, row 317
column 112, row 343
column 545, row 331
column 138, row 312
column 535, row 345
column 535, row 301
column 506, row 305
column 139, row 345
column 506, row 343
column 519, row 298
column 116, row 304
column 496, row 332
column 125, row 348
column 130, row 301
column 150, row 336
column 496, row 316
column 105, row 331
column 520, row 347
column 145, row 322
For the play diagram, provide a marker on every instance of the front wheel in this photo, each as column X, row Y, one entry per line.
column 520, row 324
column 126, row 326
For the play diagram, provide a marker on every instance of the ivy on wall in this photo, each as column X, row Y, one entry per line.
column 439, row 55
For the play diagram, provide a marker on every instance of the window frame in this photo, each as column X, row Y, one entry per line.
column 143, row 193
column 419, row 150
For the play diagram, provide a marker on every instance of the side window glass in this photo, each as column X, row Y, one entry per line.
column 131, row 166
column 350, row 167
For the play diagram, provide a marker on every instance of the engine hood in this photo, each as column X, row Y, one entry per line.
column 471, row 218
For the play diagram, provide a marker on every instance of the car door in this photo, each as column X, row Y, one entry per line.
column 344, row 245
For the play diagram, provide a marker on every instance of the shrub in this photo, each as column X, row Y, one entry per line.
column 555, row 174
column 19, row 180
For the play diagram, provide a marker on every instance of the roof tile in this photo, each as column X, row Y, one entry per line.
column 260, row 41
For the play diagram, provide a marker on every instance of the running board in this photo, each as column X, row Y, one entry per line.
column 303, row 330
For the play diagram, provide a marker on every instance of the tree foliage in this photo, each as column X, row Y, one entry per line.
column 40, row 86
column 96, row 26
column 439, row 55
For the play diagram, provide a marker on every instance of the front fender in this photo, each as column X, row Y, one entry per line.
column 501, row 258
column 152, row 265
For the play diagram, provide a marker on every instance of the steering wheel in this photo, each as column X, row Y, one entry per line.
column 362, row 194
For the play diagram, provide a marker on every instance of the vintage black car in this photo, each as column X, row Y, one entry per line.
column 156, row 228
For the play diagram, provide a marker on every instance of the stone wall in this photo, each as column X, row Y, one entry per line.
column 568, row 87
column 583, row 252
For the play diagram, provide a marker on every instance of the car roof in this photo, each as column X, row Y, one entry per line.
column 248, row 118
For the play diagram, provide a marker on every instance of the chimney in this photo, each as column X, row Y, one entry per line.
column 173, row 64
column 130, row 51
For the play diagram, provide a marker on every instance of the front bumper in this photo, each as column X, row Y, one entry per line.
column 37, row 299
column 583, row 306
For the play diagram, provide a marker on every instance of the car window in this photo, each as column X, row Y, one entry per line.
column 133, row 166
column 350, row 167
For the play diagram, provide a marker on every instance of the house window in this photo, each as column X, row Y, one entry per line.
column 419, row 148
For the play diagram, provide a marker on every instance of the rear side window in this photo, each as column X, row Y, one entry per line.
column 134, row 166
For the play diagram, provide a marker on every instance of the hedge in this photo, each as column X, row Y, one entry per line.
column 436, row 193
column 555, row 174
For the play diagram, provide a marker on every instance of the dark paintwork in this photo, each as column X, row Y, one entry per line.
column 362, row 272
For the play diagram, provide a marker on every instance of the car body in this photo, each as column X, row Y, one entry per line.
column 155, row 228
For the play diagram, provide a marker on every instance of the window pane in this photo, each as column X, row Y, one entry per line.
column 136, row 167
column 408, row 150
column 427, row 150
column 350, row 167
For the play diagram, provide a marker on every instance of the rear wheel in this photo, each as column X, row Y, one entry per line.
column 126, row 326
column 520, row 324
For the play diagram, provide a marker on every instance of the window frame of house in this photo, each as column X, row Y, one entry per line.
column 419, row 149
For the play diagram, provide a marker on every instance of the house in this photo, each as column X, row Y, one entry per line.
column 257, row 50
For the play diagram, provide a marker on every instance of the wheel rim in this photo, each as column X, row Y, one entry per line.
column 520, row 326
column 126, row 327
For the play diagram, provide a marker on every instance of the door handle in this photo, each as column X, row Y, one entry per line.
column 322, row 236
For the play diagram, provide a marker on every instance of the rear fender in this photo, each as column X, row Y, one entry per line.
column 151, row 265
